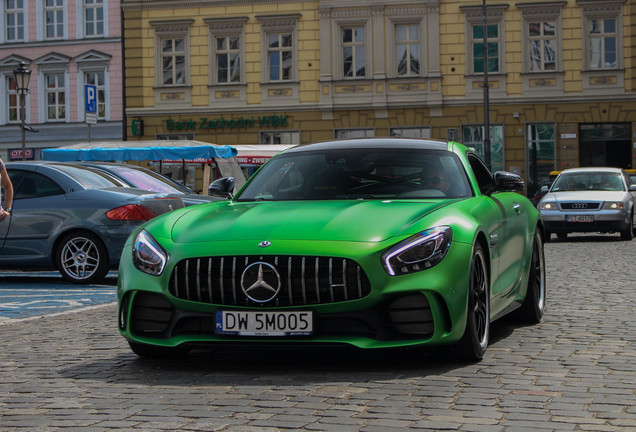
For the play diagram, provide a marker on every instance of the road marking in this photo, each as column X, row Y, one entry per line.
column 32, row 294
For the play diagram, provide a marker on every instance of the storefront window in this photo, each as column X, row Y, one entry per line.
column 540, row 148
column 473, row 136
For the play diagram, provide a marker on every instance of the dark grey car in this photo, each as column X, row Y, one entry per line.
column 73, row 218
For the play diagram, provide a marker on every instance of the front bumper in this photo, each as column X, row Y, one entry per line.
column 427, row 307
column 604, row 221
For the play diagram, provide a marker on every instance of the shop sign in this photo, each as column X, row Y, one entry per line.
column 272, row 121
column 16, row 154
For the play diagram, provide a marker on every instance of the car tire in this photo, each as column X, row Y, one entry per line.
column 533, row 306
column 81, row 258
column 628, row 233
column 153, row 351
column 473, row 344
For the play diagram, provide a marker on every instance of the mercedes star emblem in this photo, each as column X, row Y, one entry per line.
column 260, row 282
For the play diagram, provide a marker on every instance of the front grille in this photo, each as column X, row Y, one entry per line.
column 305, row 280
column 580, row 206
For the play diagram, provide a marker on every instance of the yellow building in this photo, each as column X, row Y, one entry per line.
column 559, row 74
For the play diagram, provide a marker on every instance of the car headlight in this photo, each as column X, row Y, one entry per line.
column 148, row 256
column 417, row 253
column 613, row 205
column 548, row 206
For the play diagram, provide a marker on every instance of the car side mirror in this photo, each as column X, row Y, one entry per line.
column 545, row 189
column 632, row 188
column 222, row 187
column 508, row 182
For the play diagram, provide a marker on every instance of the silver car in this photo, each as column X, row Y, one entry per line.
column 73, row 218
column 590, row 200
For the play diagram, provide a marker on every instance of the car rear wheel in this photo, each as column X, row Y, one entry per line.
column 531, row 310
column 81, row 258
column 472, row 346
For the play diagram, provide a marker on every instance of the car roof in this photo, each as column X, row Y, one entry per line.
column 372, row 143
column 592, row 169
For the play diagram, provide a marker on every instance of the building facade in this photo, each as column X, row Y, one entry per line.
column 66, row 45
column 559, row 74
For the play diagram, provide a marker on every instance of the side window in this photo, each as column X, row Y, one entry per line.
column 32, row 185
column 482, row 174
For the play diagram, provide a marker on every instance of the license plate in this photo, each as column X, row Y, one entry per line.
column 579, row 218
column 259, row 323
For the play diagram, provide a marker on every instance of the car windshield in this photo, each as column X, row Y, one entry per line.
column 342, row 174
column 600, row 181
column 147, row 180
column 89, row 178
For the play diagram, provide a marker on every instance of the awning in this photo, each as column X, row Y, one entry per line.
column 120, row 151
column 258, row 154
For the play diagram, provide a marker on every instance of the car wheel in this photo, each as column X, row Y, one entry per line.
column 472, row 346
column 533, row 305
column 628, row 233
column 81, row 257
column 153, row 351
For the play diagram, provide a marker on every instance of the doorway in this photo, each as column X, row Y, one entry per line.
column 605, row 144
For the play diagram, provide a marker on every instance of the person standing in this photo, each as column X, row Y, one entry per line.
column 5, row 181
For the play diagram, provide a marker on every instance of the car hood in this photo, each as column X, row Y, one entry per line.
column 354, row 221
column 585, row 196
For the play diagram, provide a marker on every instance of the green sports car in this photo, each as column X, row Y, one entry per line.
column 372, row 243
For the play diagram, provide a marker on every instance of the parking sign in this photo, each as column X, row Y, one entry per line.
column 91, row 98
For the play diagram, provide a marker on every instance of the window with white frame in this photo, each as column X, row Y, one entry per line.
column 173, row 61
column 227, row 50
column 541, row 37
column 602, row 36
column 354, row 133
column 94, row 18
column 14, row 20
column 542, row 46
column 485, row 41
column 98, row 79
column 227, row 55
column 172, row 52
column 603, row 43
column 279, row 48
column 55, row 94
column 489, row 58
column 13, row 100
column 280, row 137
column 54, row 19
column 473, row 136
column 410, row 132
column 280, row 56
column 353, row 51
column 408, row 49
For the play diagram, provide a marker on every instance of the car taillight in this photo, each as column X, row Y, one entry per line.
column 130, row 212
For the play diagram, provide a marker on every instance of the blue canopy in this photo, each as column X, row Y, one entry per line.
column 138, row 151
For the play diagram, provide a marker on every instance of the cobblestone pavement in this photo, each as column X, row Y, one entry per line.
column 576, row 371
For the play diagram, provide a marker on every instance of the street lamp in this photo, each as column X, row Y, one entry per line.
column 22, row 78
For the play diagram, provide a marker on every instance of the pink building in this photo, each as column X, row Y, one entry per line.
column 67, row 44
